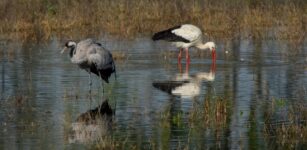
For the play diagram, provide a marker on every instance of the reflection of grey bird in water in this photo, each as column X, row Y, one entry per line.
column 92, row 125
column 104, row 110
column 92, row 57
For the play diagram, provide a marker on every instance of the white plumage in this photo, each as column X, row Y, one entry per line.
column 192, row 85
column 184, row 85
column 189, row 32
column 185, row 36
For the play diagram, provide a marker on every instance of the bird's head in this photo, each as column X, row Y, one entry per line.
column 211, row 46
column 69, row 45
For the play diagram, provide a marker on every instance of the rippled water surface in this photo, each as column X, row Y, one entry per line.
column 255, row 83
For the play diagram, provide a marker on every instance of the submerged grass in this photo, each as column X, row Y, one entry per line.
column 40, row 19
column 284, row 126
column 290, row 130
column 213, row 113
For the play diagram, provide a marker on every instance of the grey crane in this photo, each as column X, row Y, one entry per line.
column 92, row 57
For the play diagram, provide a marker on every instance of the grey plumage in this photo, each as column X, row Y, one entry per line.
column 93, row 57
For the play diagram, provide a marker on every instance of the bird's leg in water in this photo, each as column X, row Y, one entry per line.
column 90, row 84
column 180, row 67
column 213, row 66
column 187, row 65
column 179, row 56
column 90, row 100
column 90, row 88
column 213, row 56
column 187, row 56
column 102, row 86
column 101, row 82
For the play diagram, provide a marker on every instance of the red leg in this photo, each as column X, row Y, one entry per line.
column 213, row 56
column 179, row 60
column 187, row 65
column 179, row 67
column 187, row 56
column 213, row 65
column 179, row 56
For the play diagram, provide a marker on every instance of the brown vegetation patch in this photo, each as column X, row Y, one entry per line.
column 39, row 19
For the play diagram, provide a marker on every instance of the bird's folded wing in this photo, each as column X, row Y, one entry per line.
column 78, row 60
column 187, row 33
column 95, row 59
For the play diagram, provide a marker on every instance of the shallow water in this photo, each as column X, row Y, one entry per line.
column 42, row 94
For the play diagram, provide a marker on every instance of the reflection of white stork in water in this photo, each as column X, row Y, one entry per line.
column 184, row 85
column 185, row 36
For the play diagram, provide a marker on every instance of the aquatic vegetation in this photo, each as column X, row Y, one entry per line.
column 18, row 101
column 279, row 102
column 291, row 129
column 227, row 19
column 214, row 113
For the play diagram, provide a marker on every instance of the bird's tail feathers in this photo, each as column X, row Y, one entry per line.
column 162, row 35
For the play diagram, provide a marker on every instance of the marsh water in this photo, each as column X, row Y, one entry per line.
column 254, row 89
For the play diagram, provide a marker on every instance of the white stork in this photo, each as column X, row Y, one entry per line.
column 185, row 36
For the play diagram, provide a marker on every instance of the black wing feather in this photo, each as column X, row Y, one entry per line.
column 168, row 86
column 167, row 35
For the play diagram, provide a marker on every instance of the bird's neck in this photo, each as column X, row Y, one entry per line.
column 203, row 46
column 72, row 51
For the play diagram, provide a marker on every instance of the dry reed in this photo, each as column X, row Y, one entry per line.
column 40, row 19
column 291, row 131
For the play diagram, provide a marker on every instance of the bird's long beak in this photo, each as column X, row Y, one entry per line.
column 63, row 50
